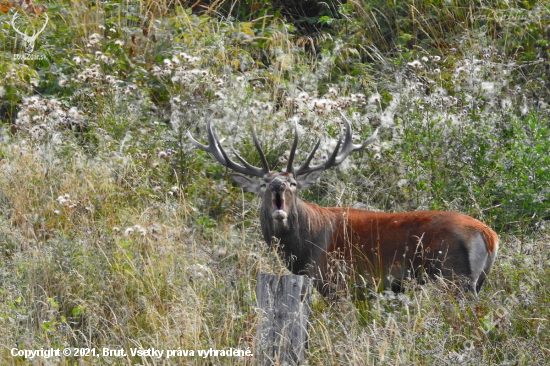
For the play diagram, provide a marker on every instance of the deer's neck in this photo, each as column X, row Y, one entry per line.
column 303, row 238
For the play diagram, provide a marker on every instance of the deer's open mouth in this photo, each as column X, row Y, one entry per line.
column 279, row 212
column 278, row 202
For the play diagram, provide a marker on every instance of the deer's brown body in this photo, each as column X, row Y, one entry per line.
column 386, row 247
column 326, row 242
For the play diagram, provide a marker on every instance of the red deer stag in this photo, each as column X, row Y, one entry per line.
column 384, row 247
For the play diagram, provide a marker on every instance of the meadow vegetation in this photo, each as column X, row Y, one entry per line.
column 115, row 232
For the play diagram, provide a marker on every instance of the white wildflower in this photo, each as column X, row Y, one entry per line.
column 140, row 230
column 488, row 87
column 94, row 39
column 375, row 98
column 416, row 64
column 303, row 96
column 198, row 271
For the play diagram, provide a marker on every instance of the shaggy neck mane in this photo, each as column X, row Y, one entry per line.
column 307, row 236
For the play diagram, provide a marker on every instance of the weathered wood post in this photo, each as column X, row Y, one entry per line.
column 284, row 303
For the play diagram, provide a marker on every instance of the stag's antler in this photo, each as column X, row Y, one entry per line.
column 216, row 149
column 25, row 35
column 29, row 40
column 336, row 158
column 15, row 16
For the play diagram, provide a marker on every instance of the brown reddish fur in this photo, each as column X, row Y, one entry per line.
column 400, row 228
column 379, row 244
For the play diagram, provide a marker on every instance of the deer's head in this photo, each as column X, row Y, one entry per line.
column 279, row 189
column 28, row 39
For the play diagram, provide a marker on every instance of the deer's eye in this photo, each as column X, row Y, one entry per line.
column 293, row 184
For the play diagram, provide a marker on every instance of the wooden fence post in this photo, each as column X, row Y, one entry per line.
column 284, row 303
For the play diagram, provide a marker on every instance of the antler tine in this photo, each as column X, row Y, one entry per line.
column 15, row 16
column 260, row 151
column 350, row 147
column 311, row 154
column 219, row 153
column 331, row 161
column 216, row 149
column 290, row 167
column 198, row 144
column 45, row 24
column 337, row 156
column 246, row 163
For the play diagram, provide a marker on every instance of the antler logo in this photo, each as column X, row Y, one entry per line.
column 29, row 40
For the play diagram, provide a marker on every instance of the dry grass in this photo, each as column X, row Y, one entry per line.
column 70, row 278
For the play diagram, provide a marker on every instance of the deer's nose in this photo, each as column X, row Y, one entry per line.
column 277, row 186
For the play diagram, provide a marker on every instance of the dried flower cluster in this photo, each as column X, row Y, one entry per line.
column 41, row 118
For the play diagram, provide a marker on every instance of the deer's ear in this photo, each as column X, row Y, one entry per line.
column 307, row 180
column 251, row 185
